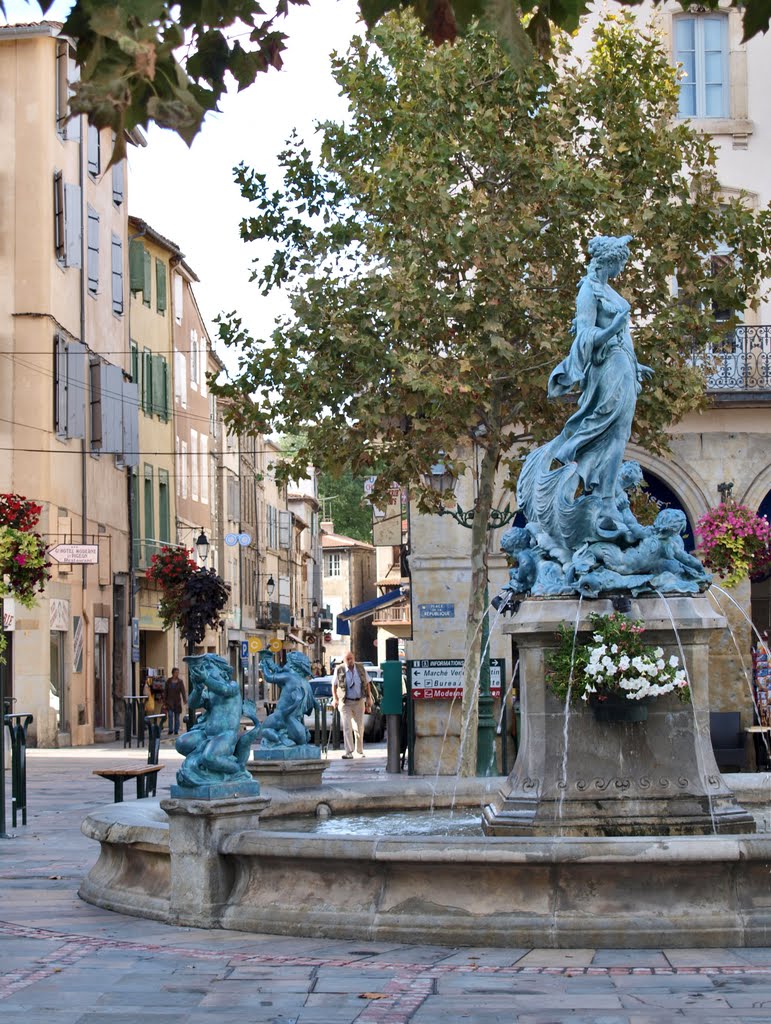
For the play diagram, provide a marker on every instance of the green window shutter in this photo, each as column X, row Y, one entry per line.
column 158, row 405
column 147, row 267
column 134, row 362
column 166, row 407
column 149, row 508
column 164, row 514
column 147, row 381
column 136, row 265
column 160, row 286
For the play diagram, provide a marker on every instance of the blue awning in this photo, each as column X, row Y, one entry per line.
column 366, row 608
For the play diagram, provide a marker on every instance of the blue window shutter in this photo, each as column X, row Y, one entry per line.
column 118, row 181
column 76, row 389
column 130, row 425
column 117, row 275
column 93, row 251
column 112, row 409
column 94, row 155
column 73, row 225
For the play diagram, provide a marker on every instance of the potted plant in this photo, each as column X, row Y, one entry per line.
column 734, row 542
column 615, row 672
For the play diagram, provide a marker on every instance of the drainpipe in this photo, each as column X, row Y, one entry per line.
column 85, row 441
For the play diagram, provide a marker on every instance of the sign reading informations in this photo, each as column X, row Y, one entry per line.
column 442, row 678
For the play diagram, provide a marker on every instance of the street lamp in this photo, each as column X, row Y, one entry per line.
column 443, row 481
column 270, row 586
column 202, row 546
column 315, row 608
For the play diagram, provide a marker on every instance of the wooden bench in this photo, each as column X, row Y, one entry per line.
column 145, row 775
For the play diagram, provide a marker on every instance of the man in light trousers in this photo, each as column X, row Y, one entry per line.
column 352, row 693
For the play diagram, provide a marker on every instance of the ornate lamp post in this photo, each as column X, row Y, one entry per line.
column 443, row 481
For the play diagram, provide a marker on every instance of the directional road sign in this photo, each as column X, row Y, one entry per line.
column 75, row 554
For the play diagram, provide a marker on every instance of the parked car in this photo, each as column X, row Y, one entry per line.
column 374, row 723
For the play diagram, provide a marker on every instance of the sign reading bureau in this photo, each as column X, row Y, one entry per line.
column 442, row 678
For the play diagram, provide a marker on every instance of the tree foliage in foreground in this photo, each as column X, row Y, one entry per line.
column 433, row 253
column 155, row 60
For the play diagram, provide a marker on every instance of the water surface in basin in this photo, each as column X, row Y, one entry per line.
column 461, row 822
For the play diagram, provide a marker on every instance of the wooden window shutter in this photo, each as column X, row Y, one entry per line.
column 147, row 381
column 158, row 400
column 147, row 285
column 136, row 265
column 160, row 286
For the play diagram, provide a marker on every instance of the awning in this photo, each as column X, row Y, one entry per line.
column 297, row 640
column 367, row 608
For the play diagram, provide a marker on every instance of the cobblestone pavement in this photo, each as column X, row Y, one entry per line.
column 65, row 962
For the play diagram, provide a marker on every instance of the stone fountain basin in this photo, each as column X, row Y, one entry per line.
column 627, row 892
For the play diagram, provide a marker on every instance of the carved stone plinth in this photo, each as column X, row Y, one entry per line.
column 656, row 777
column 201, row 879
column 300, row 774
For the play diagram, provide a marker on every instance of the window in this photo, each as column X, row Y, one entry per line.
column 68, row 222
column 194, row 465
column 66, row 73
column 160, row 388
column 160, row 286
column 164, row 509
column 178, row 298
column 180, row 378
column 69, row 388
column 93, row 251
column 701, row 47
column 149, row 504
column 285, row 529
column 94, row 151
column 272, row 525
column 183, row 470
column 178, row 462
column 204, row 443
column 194, row 364
column 117, row 276
column 332, row 564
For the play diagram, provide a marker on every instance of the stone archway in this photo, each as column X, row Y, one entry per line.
column 679, row 486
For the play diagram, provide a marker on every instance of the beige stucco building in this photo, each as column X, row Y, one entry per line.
column 69, row 428
column 349, row 574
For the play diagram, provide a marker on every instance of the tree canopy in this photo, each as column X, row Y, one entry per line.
column 163, row 61
column 433, row 251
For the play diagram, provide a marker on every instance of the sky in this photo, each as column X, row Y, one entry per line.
column 189, row 195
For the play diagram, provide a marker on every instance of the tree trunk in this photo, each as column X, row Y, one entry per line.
column 476, row 611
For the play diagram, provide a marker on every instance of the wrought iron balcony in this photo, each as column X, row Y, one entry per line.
column 743, row 361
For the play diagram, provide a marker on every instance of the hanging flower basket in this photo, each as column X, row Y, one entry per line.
column 735, row 542
column 616, row 708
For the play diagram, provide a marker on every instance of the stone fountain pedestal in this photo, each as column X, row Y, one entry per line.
column 651, row 778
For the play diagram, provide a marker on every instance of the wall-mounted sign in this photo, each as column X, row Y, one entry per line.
column 436, row 611
column 75, row 554
column 442, row 678
column 244, row 649
column 101, row 625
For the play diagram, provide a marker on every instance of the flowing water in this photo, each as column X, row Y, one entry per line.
column 702, row 768
column 461, row 822
column 563, row 782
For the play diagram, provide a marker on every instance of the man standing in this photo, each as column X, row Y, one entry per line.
column 352, row 692
column 175, row 697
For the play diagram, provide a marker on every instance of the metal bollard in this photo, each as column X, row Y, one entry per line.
column 17, row 727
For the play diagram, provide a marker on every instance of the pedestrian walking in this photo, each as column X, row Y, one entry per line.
column 175, row 697
column 352, row 693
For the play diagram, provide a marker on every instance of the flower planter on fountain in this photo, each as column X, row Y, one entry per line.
column 614, row 708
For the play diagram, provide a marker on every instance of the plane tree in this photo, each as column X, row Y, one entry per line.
column 433, row 250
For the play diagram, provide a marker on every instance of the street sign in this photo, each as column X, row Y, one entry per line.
column 244, row 539
column 75, row 554
column 442, row 678
column 255, row 644
column 245, row 649
column 275, row 645
column 231, row 539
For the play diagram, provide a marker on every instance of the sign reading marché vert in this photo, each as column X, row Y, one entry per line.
column 442, row 678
